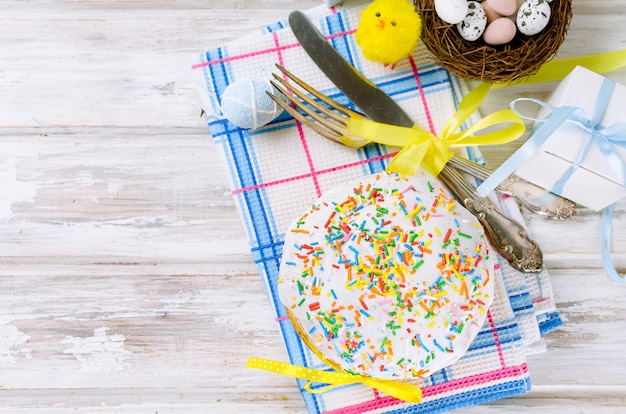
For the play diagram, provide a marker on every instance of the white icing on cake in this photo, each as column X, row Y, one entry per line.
column 388, row 276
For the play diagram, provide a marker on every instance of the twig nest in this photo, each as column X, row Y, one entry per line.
column 499, row 20
column 499, row 62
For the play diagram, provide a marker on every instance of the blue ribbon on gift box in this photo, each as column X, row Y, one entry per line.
column 604, row 138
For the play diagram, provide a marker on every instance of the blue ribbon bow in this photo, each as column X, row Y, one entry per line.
column 604, row 138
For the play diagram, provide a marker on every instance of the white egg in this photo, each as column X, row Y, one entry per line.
column 451, row 11
column 474, row 23
column 533, row 16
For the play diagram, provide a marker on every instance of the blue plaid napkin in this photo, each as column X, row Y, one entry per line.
column 276, row 171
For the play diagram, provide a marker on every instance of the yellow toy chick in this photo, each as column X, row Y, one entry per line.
column 388, row 30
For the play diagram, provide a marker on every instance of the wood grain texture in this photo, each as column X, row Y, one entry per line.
column 125, row 277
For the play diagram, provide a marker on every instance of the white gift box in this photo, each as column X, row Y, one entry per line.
column 594, row 184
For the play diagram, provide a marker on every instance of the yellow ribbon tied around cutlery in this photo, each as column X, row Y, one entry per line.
column 401, row 390
column 421, row 147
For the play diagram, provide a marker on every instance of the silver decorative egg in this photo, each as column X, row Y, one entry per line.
column 533, row 16
column 473, row 25
column 451, row 11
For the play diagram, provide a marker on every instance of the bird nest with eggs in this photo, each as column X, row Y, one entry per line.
column 478, row 60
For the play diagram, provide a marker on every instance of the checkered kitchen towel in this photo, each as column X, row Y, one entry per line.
column 278, row 170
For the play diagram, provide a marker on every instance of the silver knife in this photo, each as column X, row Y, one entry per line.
column 379, row 106
column 507, row 236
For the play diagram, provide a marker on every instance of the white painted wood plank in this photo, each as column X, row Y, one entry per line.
column 179, row 400
column 127, row 191
column 126, row 281
column 152, row 317
column 114, row 63
column 133, row 333
column 124, row 189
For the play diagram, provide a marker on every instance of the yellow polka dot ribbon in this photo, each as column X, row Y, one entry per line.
column 397, row 389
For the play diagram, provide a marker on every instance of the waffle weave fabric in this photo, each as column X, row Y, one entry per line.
column 278, row 170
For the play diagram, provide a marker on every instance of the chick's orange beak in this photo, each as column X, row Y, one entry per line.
column 381, row 24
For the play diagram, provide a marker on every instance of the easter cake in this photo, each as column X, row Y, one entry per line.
column 387, row 276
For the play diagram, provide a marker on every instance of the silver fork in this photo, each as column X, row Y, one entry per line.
column 332, row 121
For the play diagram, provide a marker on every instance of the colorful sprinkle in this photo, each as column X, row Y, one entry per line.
column 384, row 277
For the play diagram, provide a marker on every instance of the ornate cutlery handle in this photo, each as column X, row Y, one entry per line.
column 507, row 236
column 537, row 199
column 531, row 196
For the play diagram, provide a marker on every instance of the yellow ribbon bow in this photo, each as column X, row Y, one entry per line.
column 420, row 147
column 397, row 389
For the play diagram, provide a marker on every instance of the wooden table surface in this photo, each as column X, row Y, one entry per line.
column 126, row 285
